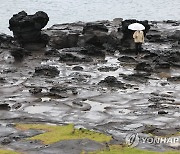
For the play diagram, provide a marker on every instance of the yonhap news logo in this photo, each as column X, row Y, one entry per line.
column 133, row 139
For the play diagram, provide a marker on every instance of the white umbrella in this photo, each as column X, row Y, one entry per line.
column 136, row 26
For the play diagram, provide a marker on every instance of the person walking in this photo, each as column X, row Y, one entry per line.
column 138, row 37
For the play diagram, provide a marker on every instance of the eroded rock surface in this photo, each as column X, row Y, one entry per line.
column 27, row 28
column 88, row 76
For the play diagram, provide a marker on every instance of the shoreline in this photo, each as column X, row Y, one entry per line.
column 88, row 76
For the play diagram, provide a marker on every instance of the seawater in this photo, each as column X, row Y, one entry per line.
column 63, row 11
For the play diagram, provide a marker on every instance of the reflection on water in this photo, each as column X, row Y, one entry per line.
column 90, row 10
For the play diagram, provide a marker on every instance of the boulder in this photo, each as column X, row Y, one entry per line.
column 143, row 66
column 94, row 33
column 5, row 107
column 78, row 68
column 47, row 71
column 127, row 59
column 175, row 35
column 111, row 81
column 65, row 35
column 19, row 53
column 27, row 28
column 60, row 39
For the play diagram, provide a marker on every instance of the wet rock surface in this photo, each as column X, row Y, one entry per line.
column 49, row 71
column 87, row 78
column 111, row 81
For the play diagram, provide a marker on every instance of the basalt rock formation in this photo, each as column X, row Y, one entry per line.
column 27, row 28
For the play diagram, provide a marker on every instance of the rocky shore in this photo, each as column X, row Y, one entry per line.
column 88, row 74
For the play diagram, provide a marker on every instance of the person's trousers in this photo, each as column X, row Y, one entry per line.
column 138, row 47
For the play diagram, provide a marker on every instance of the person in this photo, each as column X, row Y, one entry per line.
column 138, row 37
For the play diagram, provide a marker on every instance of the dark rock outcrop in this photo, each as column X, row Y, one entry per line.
column 107, row 69
column 49, row 71
column 94, row 26
column 69, row 57
column 19, row 53
column 138, row 77
column 16, row 106
column 5, row 41
column 143, row 66
column 162, row 65
column 27, row 28
column 52, row 52
column 35, row 90
column 63, row 90
column 99, row 35
column 174, row 78
column 88, row 50
column 175, row 35
column 111, row 81
column 63, row 39
column 5, row 107
column 79, row 77
column 77, row 68
column 95, row 34
column 91, row 50
column 162, row 112
column 65, row 35
column 2, row 80
column 127, row 59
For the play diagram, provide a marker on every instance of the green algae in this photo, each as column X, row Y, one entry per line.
column 3, row 151
column 119, row 149
column 56, row 133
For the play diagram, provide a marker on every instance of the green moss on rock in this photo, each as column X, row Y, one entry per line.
column 56, row 133
column 3, row 151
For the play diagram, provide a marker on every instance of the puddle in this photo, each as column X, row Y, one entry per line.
column 132, row 126
column 95, row 117
column 164, row 119
column 96, row 106
column 117, row 112
column 44, row 99
column 38, row 109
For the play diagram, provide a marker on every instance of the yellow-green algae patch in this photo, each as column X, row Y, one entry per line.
column 56, row 133
column 2, row 151
column 119, row 149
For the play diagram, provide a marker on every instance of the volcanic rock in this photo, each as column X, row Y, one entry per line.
column 143, row 66
column 111, row 81
column 49, row 71
column 5, row 107
column 68, row 57
column 127, row 59
column 27, row 28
